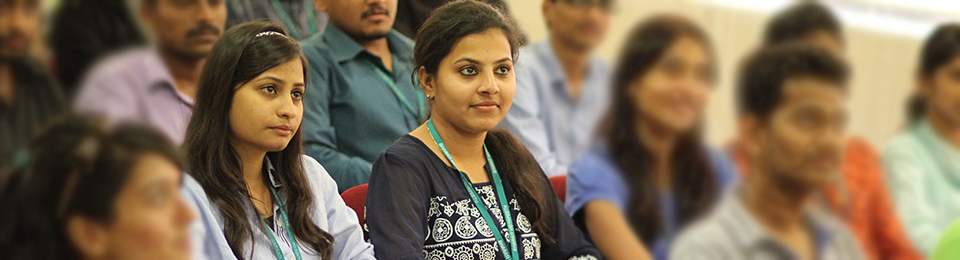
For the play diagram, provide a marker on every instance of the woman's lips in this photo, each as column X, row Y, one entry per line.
column 282, row 130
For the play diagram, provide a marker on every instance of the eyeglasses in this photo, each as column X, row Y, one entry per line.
column 604, row 5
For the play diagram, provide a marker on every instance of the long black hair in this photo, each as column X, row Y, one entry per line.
column 693, row 179
column 244, row 52
column 436, row 38
column 77, row 167
column 941, row 47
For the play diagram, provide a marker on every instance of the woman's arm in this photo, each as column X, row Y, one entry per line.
column 611, row 232
column 341, row 220
column 397, row 202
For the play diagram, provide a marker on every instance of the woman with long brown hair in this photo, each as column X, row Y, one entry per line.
column 259, row 197
column 454, row 188
column 651, row 174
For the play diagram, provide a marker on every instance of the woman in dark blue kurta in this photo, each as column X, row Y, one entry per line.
column 414, row 194
column 454, row 188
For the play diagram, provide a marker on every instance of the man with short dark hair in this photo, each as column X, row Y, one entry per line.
column 792, row 108
column 29, row 98
column 359, row 96
column 859, row 196
column 157, row 84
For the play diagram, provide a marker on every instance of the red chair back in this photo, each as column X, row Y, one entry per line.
column 355, row 198
column 559, row 184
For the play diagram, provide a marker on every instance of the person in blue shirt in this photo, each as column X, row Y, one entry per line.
column 562, row 86
column 651, row 174
column 257, row 195
column 361, row 97
column 456, row 188
column 93, row 188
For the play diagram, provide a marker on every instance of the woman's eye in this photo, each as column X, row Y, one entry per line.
column 158, row 198
column 468, row 71
column 269, row 89
column 503, row 70
column 297, row 95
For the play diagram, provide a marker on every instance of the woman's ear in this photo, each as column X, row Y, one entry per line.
column 426, row 82
column 87, row 236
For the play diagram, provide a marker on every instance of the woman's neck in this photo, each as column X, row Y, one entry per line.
column 945, row 128
column 661, row 143
column 461, row 144
column 251, row 163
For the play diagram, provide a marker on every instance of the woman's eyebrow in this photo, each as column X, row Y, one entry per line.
column 273, row 78
column 478, row 62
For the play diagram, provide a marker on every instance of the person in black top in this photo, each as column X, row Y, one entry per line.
column 29, row 97
column 85, row 31
column 454, row 188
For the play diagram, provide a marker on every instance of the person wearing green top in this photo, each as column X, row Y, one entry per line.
column 949, row 246
column 923, row 163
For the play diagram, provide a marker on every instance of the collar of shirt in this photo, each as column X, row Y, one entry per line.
column 546, row 56
column 158, row 76
column 268, row 166
column 345, row 48
column 753, row 236
column 945, row 155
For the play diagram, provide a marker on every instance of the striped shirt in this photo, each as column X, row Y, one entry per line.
column 136, row 85
column 731, row 232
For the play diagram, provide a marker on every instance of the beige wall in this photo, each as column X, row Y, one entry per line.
column 883, row 62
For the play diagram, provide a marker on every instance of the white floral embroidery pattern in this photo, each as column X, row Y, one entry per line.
column 584, row 257
column 465, row 229
column 442, row 230
column 474, row 239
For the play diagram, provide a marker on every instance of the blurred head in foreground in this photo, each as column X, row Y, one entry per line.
column 96, row 190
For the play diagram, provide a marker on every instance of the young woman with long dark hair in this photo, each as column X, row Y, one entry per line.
column 454, row 188
column 651, row 174
column 95, row 189
column 923, row 163
column 259, row 197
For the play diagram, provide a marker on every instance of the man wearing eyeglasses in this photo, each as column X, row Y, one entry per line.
column 562, row 85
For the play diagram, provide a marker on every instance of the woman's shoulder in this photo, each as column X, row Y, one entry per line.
column 407, row 148
column 596, row 165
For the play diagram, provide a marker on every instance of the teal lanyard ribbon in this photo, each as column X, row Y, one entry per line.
column 285, row 224
column 504, row 206
column 311, row 21
column 417, row 113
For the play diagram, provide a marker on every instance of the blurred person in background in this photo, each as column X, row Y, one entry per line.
column 947, row 248
column 360, row 96
column 300, row 17
column 85, row 31
column 258, row 195
column 562, row 86
column 923, row 162
column 95, row 189
column 455, row 188
column 859, row 196
column 412, row 13
column 157, row 84
column 29, row 97
column 651, row 174
column 791, row 101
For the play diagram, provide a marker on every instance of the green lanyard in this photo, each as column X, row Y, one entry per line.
column 396, row 91
column 285, row 224
column 504, row 206
column 311, row 23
